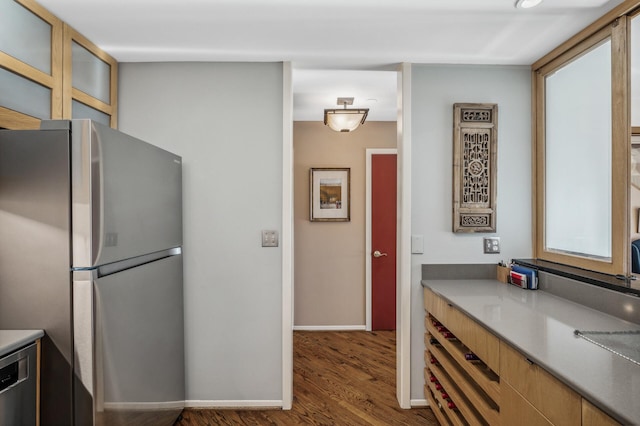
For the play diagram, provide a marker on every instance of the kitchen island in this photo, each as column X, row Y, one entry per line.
column 541, row 327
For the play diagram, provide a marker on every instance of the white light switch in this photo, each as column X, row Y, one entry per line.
column 417, row 244
column 269, row 238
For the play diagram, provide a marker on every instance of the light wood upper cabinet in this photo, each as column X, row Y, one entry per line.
column 31, row 82
column 90, row 80
column 38, row 78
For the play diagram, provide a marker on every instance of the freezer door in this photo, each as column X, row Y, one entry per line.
column 129, row 343
column 126, row 195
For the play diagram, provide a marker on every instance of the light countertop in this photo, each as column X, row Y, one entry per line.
column 10, row 340
column 541, row 326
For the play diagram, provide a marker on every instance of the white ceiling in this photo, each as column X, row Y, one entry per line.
column 327, row 40
column 314, row 90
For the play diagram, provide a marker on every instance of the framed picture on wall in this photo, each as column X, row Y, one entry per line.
column 329, row 193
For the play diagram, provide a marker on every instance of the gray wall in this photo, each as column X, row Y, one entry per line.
column 225, row 120
column 233, row 189
column 434, row 90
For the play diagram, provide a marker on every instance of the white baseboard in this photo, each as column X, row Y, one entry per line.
column 419, row 403
column 329, row 328
column 144, row 406
column 235, row 404
column 275, row 404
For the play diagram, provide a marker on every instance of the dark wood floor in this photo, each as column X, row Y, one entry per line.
column 339, row 378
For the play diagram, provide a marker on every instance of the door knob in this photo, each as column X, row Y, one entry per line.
column 378, row 254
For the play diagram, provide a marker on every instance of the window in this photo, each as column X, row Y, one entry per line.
column 578, row 156
column 582, row 145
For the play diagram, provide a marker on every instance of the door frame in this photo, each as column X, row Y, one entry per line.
column 368, row 222
column 286, row 236
column 403, row 249
column 403, row 238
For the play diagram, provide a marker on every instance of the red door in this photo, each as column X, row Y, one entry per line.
column 383, row 241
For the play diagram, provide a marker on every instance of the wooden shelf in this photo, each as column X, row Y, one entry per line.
column 488, row 381
column 483, row 343
column 454, row 417
column 472, row 385
column 436, row 407
column 455, row 393
column 475, row 395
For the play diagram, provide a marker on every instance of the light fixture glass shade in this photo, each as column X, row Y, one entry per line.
column 345, row 120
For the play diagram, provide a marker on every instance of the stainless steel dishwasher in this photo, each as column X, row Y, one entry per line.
column 18, row 385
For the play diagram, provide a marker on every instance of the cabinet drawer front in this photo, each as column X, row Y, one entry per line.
column 516, row 410
column 556, row 401
column 484, row 344
column 593, row 416
column 434, row 304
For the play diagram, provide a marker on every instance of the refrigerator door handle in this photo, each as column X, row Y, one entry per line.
column 122, row 265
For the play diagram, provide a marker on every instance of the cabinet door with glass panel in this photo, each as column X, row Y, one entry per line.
column 90, row 80
column 30, row 65
column 50, row 71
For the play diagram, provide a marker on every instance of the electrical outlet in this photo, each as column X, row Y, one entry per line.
column 491, row 244
column 269, row 238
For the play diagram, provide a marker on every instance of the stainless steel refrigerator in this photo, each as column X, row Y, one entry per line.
column 90, row 251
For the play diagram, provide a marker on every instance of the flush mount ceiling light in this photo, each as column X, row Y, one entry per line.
column 527, row 4
column 345, row 120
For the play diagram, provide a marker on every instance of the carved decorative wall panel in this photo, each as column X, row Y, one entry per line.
column 475, row 136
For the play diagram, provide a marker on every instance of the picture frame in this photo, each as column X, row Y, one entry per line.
column 330, row 194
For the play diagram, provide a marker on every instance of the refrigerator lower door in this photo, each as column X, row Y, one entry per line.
column 129, row 343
